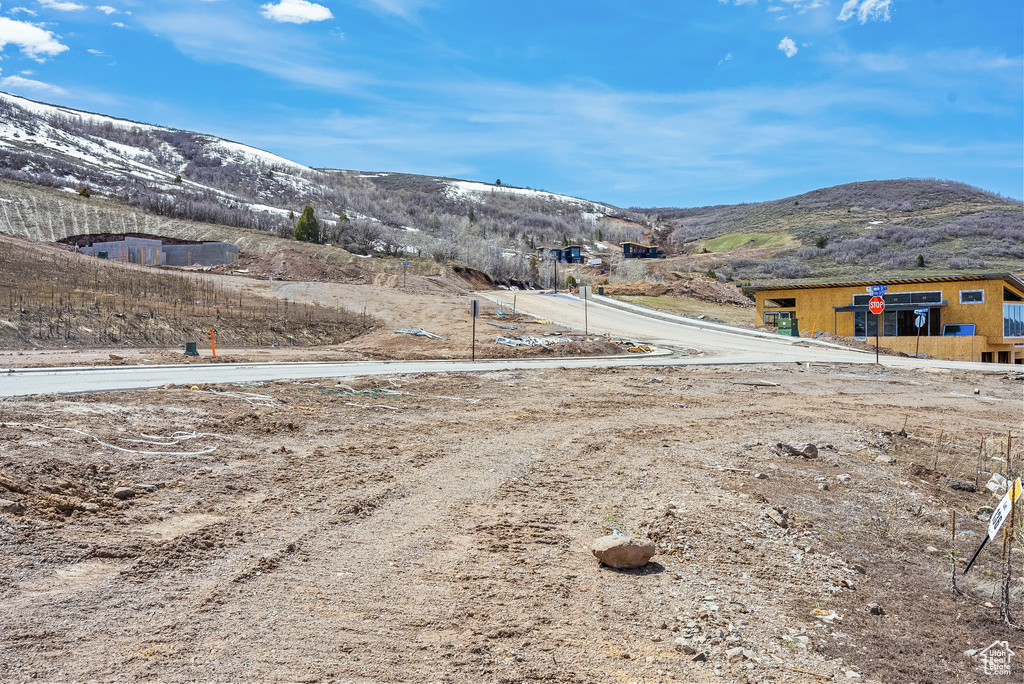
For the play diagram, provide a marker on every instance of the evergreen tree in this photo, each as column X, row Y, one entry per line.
column 177, row 178
column 308, row 228
column 85, row 192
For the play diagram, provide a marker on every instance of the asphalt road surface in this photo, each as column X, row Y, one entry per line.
column 691, row 342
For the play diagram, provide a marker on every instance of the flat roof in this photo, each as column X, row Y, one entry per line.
column 1007, row 277
column 637, row 244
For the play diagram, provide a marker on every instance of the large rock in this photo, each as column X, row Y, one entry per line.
column 622, row 551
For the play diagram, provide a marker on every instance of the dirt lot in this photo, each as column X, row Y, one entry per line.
column 436, row 528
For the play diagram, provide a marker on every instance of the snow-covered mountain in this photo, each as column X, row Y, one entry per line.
column 201, row 178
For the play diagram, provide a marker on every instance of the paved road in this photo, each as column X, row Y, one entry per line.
column 707, row 346
column 675, row 332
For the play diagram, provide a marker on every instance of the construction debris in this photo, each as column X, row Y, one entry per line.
column 640, row 349
column 501, row 325
column 529, row 341
column 809, row 451
column 421, row 332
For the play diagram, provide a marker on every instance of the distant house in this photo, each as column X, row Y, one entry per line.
column 977, row 317
column 634, row 250
column 571, row 254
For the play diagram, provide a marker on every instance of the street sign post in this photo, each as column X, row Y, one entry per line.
column 922, row 318
column 474, row 312
column 404, row 264
column 877, row 306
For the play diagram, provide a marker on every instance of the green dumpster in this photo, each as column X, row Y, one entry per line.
column 600, row 291
column 190, row 349
column 789, row 327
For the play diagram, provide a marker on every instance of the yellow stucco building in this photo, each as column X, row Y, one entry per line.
column 966, row 317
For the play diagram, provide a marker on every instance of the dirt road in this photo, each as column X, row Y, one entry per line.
column 435, row 528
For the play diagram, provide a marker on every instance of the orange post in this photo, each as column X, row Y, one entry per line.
column 213, row 347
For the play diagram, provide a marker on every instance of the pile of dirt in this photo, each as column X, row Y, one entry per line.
column 475, row 280
column 698, row 287
column 641, row 288
column 562, row 349
column 290, row 264
column 709, row 290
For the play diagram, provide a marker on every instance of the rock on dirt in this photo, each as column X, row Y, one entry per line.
column 124, row 493
column 7, row 506
column 622, row 552
column 777, row 517
column 875, row 608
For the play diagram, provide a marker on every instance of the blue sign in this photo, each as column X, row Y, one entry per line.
column 919, row 321
column 920, row 312
column 877, row 290
column 405, row 263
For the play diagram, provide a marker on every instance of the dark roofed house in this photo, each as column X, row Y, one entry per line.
column 634, row 250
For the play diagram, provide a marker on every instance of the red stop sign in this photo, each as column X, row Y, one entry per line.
column 876, row 305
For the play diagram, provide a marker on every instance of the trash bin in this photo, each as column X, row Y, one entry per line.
column 789, row 327
column 190, row 349
column 102, row 255
column 600, row 291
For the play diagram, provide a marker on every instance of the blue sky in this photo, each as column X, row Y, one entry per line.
column 653, row 103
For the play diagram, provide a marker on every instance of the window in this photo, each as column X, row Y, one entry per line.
column 864, row 324
column 1013, row 320
column 772, row 317
column 901, row 298
column 972, row 296
column 926, row 297
column 785, row 303
column 961, row 330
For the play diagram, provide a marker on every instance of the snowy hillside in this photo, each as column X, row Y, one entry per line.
column 201, row 178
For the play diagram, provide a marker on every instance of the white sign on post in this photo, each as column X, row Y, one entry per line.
column 585, row 292
column 1003, row 509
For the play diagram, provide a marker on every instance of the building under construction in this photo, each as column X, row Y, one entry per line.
column 155, row 251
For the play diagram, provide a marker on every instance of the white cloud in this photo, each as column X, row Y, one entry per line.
column 106, row 9
column 118, row 24
column 19, row 83
column 243, row 40
column 865, row 10
column 802, row 5
column 295, row 11
column 788, row 46
column 33, row 41
column 94, row 52
column 26, row 10
column 62, row 6
column 725, row 59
